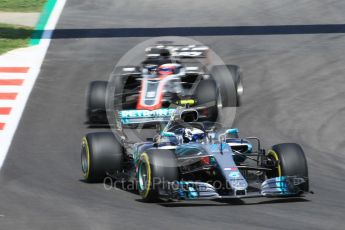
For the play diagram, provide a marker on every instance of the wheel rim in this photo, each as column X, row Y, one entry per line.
column 274, row 156
column 240, row 88
column 84, row 160
column 143, row 178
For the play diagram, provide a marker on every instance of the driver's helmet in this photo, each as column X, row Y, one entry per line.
column 193, row 135
column 166, row 69
column 150, row 71
column 169, row 69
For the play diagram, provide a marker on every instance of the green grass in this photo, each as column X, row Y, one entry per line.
column 22, row 5
column 13, row 37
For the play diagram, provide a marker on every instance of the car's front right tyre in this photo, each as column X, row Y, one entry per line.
column 101, row 155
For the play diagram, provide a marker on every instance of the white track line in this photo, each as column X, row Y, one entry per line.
column 10, row 89
column 12, row 76
column 29, row 57
column 8, row 103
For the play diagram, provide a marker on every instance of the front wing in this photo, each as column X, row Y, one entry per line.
column 285, row 186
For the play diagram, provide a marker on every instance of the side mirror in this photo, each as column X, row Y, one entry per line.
column 232, row 133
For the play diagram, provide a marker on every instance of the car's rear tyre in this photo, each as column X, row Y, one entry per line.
column 207, row 94
column 123, row 87
column 290, row 161
column 237, row 78
column 96, row 102
column 101, row 155
column 156, row 167
column 230, row 85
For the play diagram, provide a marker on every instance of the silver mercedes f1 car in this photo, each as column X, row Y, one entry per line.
column 190, row 160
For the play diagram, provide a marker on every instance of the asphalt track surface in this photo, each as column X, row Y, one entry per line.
column 294, row 91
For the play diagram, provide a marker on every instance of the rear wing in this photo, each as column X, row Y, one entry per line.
column 179, row 51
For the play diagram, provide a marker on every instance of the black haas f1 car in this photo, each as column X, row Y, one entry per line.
column 196, row 160
column 171, row 73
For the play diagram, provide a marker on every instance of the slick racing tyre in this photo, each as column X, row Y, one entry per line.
column 101, row 155
column 237, row 78
column 229, row 82
column 290, row 161
column 96, row 102
column 207, row 94
column 156, row 167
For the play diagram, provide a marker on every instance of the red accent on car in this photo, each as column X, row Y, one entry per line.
column 205, row 160
column 158, row 98
column 166, row 69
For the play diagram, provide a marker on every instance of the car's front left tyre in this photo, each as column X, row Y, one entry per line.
column 289, row 160
column 156, row 168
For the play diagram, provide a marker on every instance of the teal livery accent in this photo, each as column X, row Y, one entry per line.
column 232, row 131
column 281, row 185
column 168, row 134
column 187, row 190
column 146, row 113
column 142, row 116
